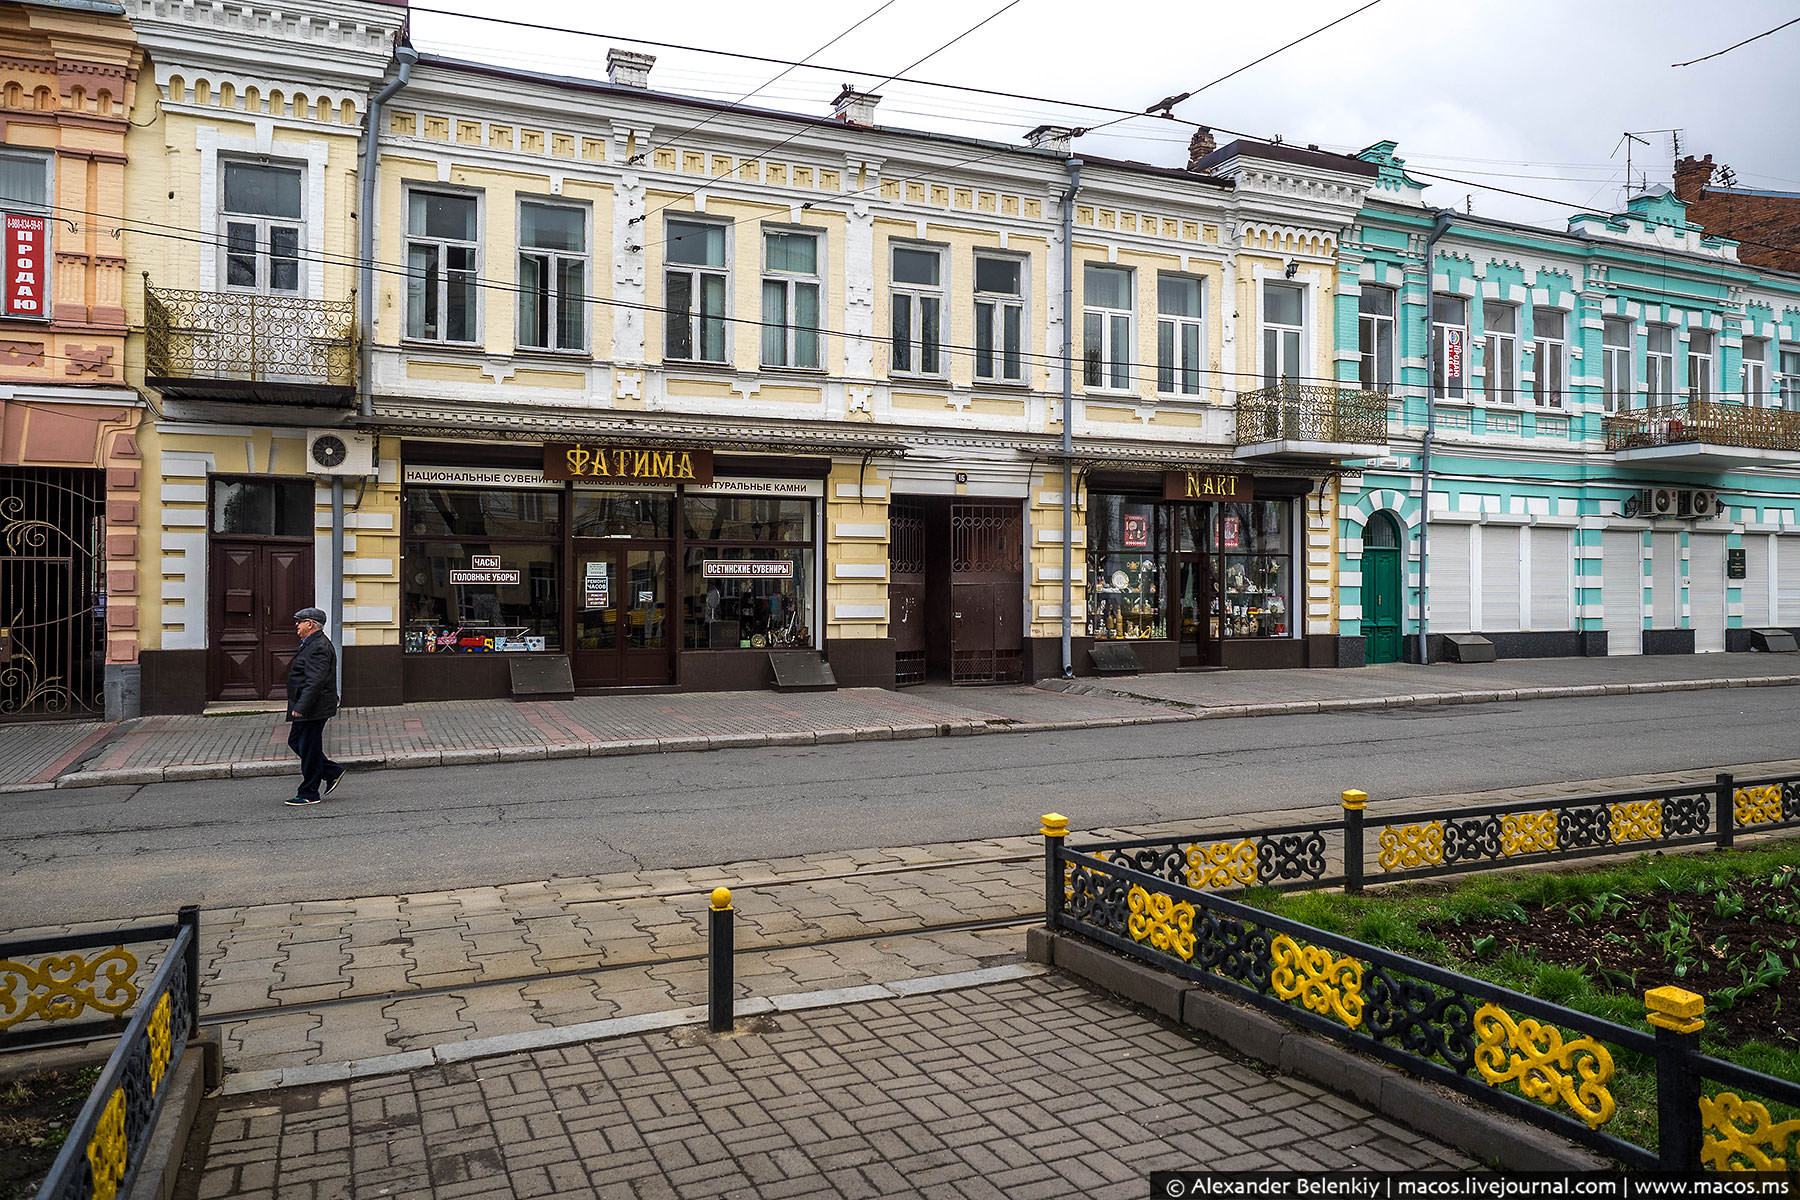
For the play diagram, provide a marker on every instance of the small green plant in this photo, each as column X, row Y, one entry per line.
column 1482, row 947
column 1727, row 904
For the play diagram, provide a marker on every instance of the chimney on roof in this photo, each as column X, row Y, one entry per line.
column 853, row 107
column 1200, row 145
column 1051, row 137
column 628, row 68
column 1691, row 175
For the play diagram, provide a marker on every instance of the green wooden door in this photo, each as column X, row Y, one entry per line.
column 1381, row 590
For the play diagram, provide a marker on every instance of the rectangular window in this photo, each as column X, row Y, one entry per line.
column 1550, row 355
column 25, row 191
column 1178, row 339
column 1106, row 327
column 1755, row 371
column 790, row 299
column 1375, row 324
column 455, row 604
column 553, row 267
column 1501, row 354
column 695, row 284
column 262, row 219
column 1700, row 365
column 1615, row 359
column 1128, row 568
column 999, row 319
column 1790, row 380
column 747, row 579
column 443, row 262
column 1283, row 323
column 917, row 309
column 1659, row 364
column 1449, row 345
column 264, row 508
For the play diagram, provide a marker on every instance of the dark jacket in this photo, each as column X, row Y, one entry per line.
column 312, row 680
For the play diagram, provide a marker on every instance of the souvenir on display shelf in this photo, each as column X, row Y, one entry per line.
column 1126, row 602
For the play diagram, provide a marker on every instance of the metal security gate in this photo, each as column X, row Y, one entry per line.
column 987, row 589
column 906, row 591
column 52, row 604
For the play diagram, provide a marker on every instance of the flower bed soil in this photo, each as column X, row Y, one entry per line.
column 36, row 1111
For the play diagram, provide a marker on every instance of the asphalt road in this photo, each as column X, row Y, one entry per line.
column 103, row 853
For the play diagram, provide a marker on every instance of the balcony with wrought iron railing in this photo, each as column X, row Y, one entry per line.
column 245, row 347
column 1702, row 433
column 1296, row 420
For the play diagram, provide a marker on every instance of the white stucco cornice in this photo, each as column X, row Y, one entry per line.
column 336, row 44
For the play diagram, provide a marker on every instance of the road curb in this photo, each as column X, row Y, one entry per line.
column 1174, row 712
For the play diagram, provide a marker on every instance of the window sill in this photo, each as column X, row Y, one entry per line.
column 926, row 380
column 407, row 343
column 549, row 355
column 1004, row 385
column 695, row 364
column 797, row 372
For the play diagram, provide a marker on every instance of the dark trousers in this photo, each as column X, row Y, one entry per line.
column 307, row 739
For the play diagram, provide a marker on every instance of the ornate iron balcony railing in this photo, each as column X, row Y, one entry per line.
column 247, row 337
column 1312, row 413
column 1704, row 422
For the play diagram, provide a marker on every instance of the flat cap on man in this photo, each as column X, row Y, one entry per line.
column 315, row 615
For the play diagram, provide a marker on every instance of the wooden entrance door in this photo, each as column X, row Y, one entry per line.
column 256, row 587
column 1381, row 590
column 622, row 634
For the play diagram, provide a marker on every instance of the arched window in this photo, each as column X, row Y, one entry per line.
column 1381, row 533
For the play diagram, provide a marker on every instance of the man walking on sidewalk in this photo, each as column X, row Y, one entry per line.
column 312, row 699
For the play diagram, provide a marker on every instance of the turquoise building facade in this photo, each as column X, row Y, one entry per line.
column 1615, row 451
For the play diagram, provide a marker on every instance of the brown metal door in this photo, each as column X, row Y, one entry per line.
column 906, row 591
column 987, row 589
column 257, row 586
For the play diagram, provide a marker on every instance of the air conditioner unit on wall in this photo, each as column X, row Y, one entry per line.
column 1699, row 503
column 1658, row 502
column 339, row 452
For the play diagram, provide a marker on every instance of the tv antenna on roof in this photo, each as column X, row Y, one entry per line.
column 1641, row 138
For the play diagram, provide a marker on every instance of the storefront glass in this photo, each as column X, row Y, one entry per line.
column 1127, row 570
column 482, row 571
column 747, row 573
column 1257, row 567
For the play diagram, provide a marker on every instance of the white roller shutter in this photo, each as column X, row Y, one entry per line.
column 1665, row 580
column 1706, row 590
column 1622, row 581
column 1449, row 582
column 1552, row 596
column 1500, row 578
column 1758, row 610
column 1787, row 579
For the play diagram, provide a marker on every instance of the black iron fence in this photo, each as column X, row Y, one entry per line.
column 48, row 985
column 1158, row 899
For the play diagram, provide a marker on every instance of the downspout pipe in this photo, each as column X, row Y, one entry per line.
column 1068, row 424
column 1440, row 226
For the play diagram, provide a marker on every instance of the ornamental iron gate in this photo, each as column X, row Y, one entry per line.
column 906, row 590
column 52, row 602
column 987, row 583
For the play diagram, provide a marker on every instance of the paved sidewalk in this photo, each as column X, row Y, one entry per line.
column 170, row 748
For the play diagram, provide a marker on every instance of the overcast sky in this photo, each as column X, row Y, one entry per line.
column 1531, row 95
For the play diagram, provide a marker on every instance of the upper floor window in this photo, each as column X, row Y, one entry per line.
column 262, row 216
column 1284, row 320
column 1375, row 327
column 917, row 310
column 25, row 191
column 1615, row 363
column 1501, row 354
column 1790, row 379
column 1659, row 364
column 790, row 299
column 1449, row 345
column 1755, row 370
column 553, row 269
column 1178, row 340
column 443, row 261
column 1106, row 327
column 1700, row 365
column 695, row 284
column 1550, row 355
column 999, row 319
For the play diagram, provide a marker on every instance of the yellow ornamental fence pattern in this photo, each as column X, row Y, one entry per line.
column 1756, row 805
column 159, row 1043
column 60, row 987
column 1222, row 864
column 1545, row 1068
column 1527, row 833
column 1411, row 846
column 1331, row 987
column 1636, row 821
column 1157, row 918
column 106, row 1149
column 1740, row 1135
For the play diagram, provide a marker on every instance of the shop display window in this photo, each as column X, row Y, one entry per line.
column 483, row 512
column 1127, row 571
column 482, row 597
column 1255, row 568
column 602, row 514
column 746, row 519
column 747, row 597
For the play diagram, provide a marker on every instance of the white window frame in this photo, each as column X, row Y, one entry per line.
column 1615, row 364
column 1106, row 371
column 1500, row 355
column 993, row 322
column 552, row 260
column 1789, row 361
column 262, row 227
column 790, row 330
column 46, row 299
column 1275, row 336
column 1659, row 365
column 1753, row 372
column 917, row 297
column 441, row 245
column 1375, row 369
column 1548, row 350
column 695, row 317
column 1441, row 330
column 1177, row 368
column 1700, row 364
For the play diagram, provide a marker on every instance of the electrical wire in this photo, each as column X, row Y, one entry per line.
column 1727, row 50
